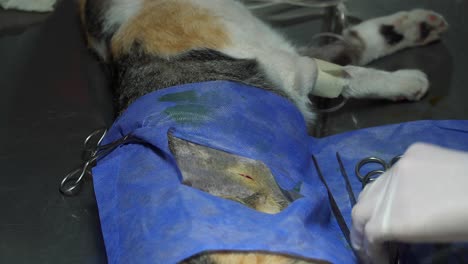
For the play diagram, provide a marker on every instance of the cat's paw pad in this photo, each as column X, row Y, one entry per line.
column 421, row 26
column 412, row 85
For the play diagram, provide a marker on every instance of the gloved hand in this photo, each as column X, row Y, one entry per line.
column 422, row 198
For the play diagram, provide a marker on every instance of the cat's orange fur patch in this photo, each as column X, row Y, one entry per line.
column 168, row 28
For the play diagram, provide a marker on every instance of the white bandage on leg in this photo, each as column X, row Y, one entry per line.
column 331, row 80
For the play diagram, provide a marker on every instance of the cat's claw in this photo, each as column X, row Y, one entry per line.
column 421, row 26
column 414, row 84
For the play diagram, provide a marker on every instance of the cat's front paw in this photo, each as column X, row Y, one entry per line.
column 420, row 26
column 412, row 85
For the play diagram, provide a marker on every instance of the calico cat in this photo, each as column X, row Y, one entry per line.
column 156, row 44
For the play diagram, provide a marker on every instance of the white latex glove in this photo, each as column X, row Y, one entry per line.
column 422, row 198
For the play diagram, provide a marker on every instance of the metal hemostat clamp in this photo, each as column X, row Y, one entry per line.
column 394, row 248
column 71, row 183
column 373, row 174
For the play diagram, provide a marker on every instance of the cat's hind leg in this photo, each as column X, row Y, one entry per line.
column 379, row 37
column 383, row 36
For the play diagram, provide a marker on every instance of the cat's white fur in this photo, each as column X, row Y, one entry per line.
column 296, row 74
column 398, row 85
column 119, row 12
column 252, row 38
column 405, row 22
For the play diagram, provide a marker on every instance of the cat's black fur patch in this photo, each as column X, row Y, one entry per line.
column 424, row 30
column 138, row 73
column 94, row 16
column 391, row 36
column 343, row 59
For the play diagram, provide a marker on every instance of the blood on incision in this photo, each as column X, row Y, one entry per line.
column 246, row 176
